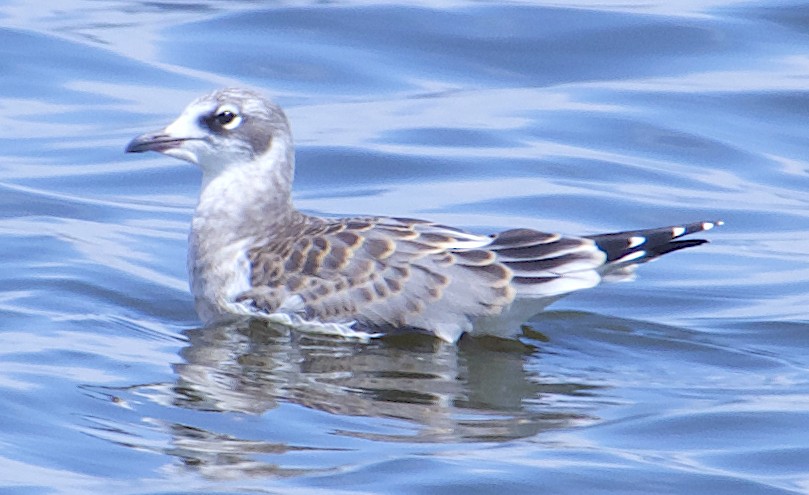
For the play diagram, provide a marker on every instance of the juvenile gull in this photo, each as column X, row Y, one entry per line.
column 251, row 253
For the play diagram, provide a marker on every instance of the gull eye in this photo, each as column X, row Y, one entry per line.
column 227, row 117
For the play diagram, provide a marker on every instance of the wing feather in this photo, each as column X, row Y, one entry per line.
column 405, row 272
column 390, row 272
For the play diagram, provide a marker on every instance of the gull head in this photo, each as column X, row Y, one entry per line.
column 226, row 128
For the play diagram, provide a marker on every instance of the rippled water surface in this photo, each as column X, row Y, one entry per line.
column 574, row 117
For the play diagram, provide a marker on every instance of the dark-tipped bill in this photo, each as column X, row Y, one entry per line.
column 153, row 141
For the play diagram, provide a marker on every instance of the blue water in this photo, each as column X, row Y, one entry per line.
column 582, row 118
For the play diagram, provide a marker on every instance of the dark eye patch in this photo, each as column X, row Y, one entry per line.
column 222, row 120
column 228, row 121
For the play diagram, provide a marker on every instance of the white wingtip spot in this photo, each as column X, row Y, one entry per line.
column 708, row 225
column 677, row 231
column 630, row 257
column 635, row 241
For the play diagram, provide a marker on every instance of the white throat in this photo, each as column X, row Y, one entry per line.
column 238, row 205
column 245, row 199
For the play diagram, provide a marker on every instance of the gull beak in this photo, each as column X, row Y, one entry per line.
column 183, row 139
column 153, row 141
column 169, row 143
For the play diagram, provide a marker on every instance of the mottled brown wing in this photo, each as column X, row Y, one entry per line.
column 379, row 271
column 402, row 272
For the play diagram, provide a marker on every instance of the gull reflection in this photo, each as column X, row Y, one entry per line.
column 250, row 400
column 479, row 390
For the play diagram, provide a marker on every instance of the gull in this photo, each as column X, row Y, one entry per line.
column 252, row 254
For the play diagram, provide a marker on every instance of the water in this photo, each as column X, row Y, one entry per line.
column 575, row 117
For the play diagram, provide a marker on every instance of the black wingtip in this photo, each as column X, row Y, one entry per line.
column 639, row 246
column 676, row 246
